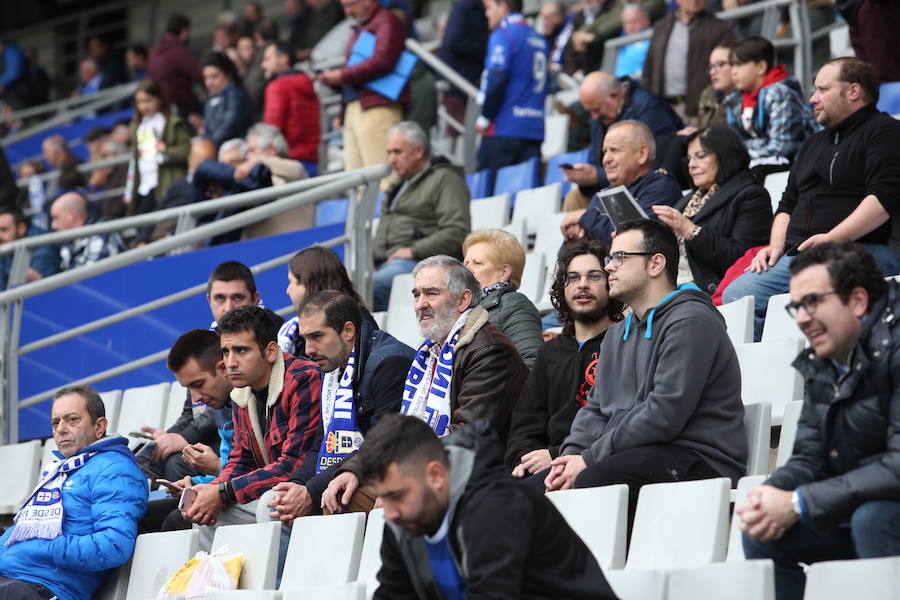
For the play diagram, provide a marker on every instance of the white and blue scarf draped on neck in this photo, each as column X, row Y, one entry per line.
column 342, row 435
column 427, row 391
column 42, row 514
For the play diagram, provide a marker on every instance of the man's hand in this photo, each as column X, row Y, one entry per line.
column 565, row 470
column 536, row 460
column 582, row 174
column 581, row 40
column 338, row 493
column 242, row 171
column 767, row 514
column 202, row 458
column 33, row 275
column 401, row 253
column 331, row 77
column 166, row 444
column 292, row 501
column 814, row 240
column 206, row 505
column 765, row 258
column 571, row 227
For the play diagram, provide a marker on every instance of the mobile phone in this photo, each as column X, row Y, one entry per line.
column 793, row 250
column 566, row 166
column 140, row 434
column 170, row 485
column 187, row 498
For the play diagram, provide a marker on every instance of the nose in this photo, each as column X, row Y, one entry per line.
column 803, row 316
column 287, row 290
column 419, row 303
column 609, row 268
column 196, row 395
column 231, row 360
column 390, row 512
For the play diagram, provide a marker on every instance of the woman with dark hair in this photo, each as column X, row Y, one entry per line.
column 313, row 270
column 728, row 213
column 228, row 112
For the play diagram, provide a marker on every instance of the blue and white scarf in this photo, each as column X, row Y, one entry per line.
column 342, row 434
column 427, row 391
column 42, row 514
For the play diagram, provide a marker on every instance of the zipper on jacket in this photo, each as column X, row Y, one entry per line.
column 831, row 168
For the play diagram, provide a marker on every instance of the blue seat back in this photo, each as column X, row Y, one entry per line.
column 889, row 98
column 479, row 183
column 555, row 174
column 330, row 212
column 513, row 178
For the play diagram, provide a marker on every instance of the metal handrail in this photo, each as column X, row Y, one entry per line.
column 81, row 168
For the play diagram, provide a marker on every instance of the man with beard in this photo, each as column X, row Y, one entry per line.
column 465, row 370
column 563, row 374
column 668, row 403
column 457, row 527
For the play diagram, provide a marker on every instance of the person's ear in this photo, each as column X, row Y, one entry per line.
column 220, row 367
column 465, row 301
column 348, row 332
column 505, row 272
column 656, row 266
column 436, row 475
column 272, row 351
column 859, row 301
column 100, row 426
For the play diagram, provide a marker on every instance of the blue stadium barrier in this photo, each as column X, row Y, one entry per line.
column 513, row 178
column 330, row 212
column 889, row 98
column 134, row 338
column 479, row 183
column 31, row 146
column 555, row 174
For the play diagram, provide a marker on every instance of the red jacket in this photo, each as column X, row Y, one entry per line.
column 292, row 106
column 390, row 36
column 175, row 68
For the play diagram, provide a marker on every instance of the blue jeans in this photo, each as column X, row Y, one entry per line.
column 775, row 281
column 874, row 532
column 383, row 278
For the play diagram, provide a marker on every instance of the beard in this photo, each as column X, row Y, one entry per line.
column 440, row 325
column 589, row 316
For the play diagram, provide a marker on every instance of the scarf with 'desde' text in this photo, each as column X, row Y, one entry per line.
column 342, row 434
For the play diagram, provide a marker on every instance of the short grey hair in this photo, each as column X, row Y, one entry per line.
column 229, row 145
column 269, row 135
column 457, row 277
column 636, row 6
column 640, row 133
column 413, row 133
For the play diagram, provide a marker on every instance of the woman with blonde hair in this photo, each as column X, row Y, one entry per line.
column 497, row 259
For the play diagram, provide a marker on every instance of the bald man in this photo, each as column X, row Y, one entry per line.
column 608, row 100
column 71, row 211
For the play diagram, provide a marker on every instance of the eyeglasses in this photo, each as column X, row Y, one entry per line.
column 618, row 258
column 809, row 303
column 697, row 157
column 719, row 65
column 592, row 276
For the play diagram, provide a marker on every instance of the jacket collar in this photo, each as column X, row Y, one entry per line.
column 723, row 196
column 243, row 397
column 477, row 318
column 493, row 298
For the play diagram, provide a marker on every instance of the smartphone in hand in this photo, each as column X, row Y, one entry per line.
column 187, row 498
column 566, row 166
column 173, row 487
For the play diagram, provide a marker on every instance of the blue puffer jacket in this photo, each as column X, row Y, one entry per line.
column 102, row 504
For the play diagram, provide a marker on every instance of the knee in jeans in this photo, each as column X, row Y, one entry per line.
column 866, row 522
column 754, row 548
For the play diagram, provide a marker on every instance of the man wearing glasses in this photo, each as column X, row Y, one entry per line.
column 845, row 469
column 667, row 402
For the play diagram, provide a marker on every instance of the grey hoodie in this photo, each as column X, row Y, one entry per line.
column 672, row 378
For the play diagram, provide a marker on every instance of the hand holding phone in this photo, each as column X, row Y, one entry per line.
column 175, row 488
column 187, row 498
column 566, row 166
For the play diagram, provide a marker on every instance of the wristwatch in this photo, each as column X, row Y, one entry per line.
column 696, row 231
column 795, row 502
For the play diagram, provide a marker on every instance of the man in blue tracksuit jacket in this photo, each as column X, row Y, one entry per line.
column 98, row 494
column 513, row 88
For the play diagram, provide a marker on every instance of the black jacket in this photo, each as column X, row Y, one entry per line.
column 847, row 449
column 507, row 539
column 836, row 168
column 465, row 41
column 736, row 218
column 557, row 387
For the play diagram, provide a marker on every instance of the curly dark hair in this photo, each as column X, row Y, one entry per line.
column 849, row 266
column 614, row 308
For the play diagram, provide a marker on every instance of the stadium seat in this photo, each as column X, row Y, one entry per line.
column 329, row 212
column 47, row 455
column 401, row 290
column 259, row 545
column 534, row 204
column 548, row 237
column 370, row 561
column 779, row 325
column 739, row 319
column 337, row 540
column 142, row 406
column 556, row 135
column 599, row 516
column 380, row 318
column 758, row 427
column 175, row 404
column 534, row 276
column 839, row 42
column 519, row 230
column 518, row 177
column 115, row 584
column 735, row 543
column 872, row 579
column 490, row 213
column 775, row 185
column 554, row 173
column 401, row 323
column 889, row 98
column 788, row 432
column 22, row 462
column 112, row 403
column 338, row 591
column 767, row 374
column 157, row 556
column 746, row 580
column 682, row 524
column 638, row 584
column 479, row 183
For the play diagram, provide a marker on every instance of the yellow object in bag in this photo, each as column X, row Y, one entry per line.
column 220, row 570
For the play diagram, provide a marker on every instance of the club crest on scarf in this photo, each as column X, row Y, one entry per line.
column 342, row 435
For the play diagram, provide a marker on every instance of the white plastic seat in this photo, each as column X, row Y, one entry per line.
column 519, row 230
column 47, row 456
column 337, row 591
column 370, row 561
column 735, row 543
column 788, row 432
column 401, row 290
column 767, row 374
column 380, row 318
column 112, row 404
column 638, row 584
column 599, row 516
column 548, row 237
column 779, row 325
column 115, row 584
column 758, row 427
column 259, row 545
column 142, row 406
column 490, row 213
column 533, row 276
column 872, row 579
column 745, row 580
column 535, row 204
column 157, row 556
column 556, row 135
column 175, row 404
column 739, row 319
column 401, row 323
column 20, row 463
column 775, row 184
column 682, row 524
column 337, row 542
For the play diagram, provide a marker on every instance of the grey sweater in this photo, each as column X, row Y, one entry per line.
column 672, row 378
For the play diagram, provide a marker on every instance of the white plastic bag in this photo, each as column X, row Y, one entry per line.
column 220, row 570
